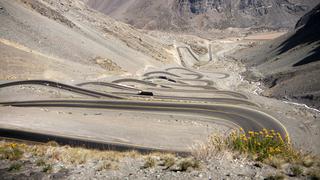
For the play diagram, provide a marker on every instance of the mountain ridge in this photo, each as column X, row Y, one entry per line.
column 190, row 15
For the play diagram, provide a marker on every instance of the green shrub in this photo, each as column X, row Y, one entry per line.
column 168, row 161
column 47, row 168
column 40, row 162
column 15, row 166
column 275, row 177
column 296, row 170
column 11, row 152
column 264, row 144
column 189, row 163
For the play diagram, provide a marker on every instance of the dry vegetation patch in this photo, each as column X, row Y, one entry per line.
column 107, row 64
column 266, row 146
column 47, row 156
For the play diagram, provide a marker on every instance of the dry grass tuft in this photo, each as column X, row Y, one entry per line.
column 49, row 154
column 149, row 162
column 168, row 160
column 308, row 160
column 78, row 156
column 276, row 162
column 186, row 164
column 211, row 148
column 52, row 143
column 106, row 165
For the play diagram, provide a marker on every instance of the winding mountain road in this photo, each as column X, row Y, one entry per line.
column 175, row 91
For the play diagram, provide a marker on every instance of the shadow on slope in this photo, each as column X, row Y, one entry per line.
column 289, row 65
column 307, row 32
column 314, row 57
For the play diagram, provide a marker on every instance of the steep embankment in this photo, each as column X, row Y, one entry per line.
column 191, row 15
column 65, row 40
column 290, row 65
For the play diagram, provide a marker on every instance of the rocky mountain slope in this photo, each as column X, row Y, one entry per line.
column 290, row 65
column 190, row 15
column 65, row 40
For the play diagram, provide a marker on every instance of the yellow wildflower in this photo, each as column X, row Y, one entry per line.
column 13, row 145
column 265, row 131
column 271, row 149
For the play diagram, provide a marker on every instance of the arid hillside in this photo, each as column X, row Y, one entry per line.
column 65, row 40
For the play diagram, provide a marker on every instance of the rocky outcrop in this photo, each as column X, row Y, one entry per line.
column 192, row 15
column 244, row 13
column 252, row 7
